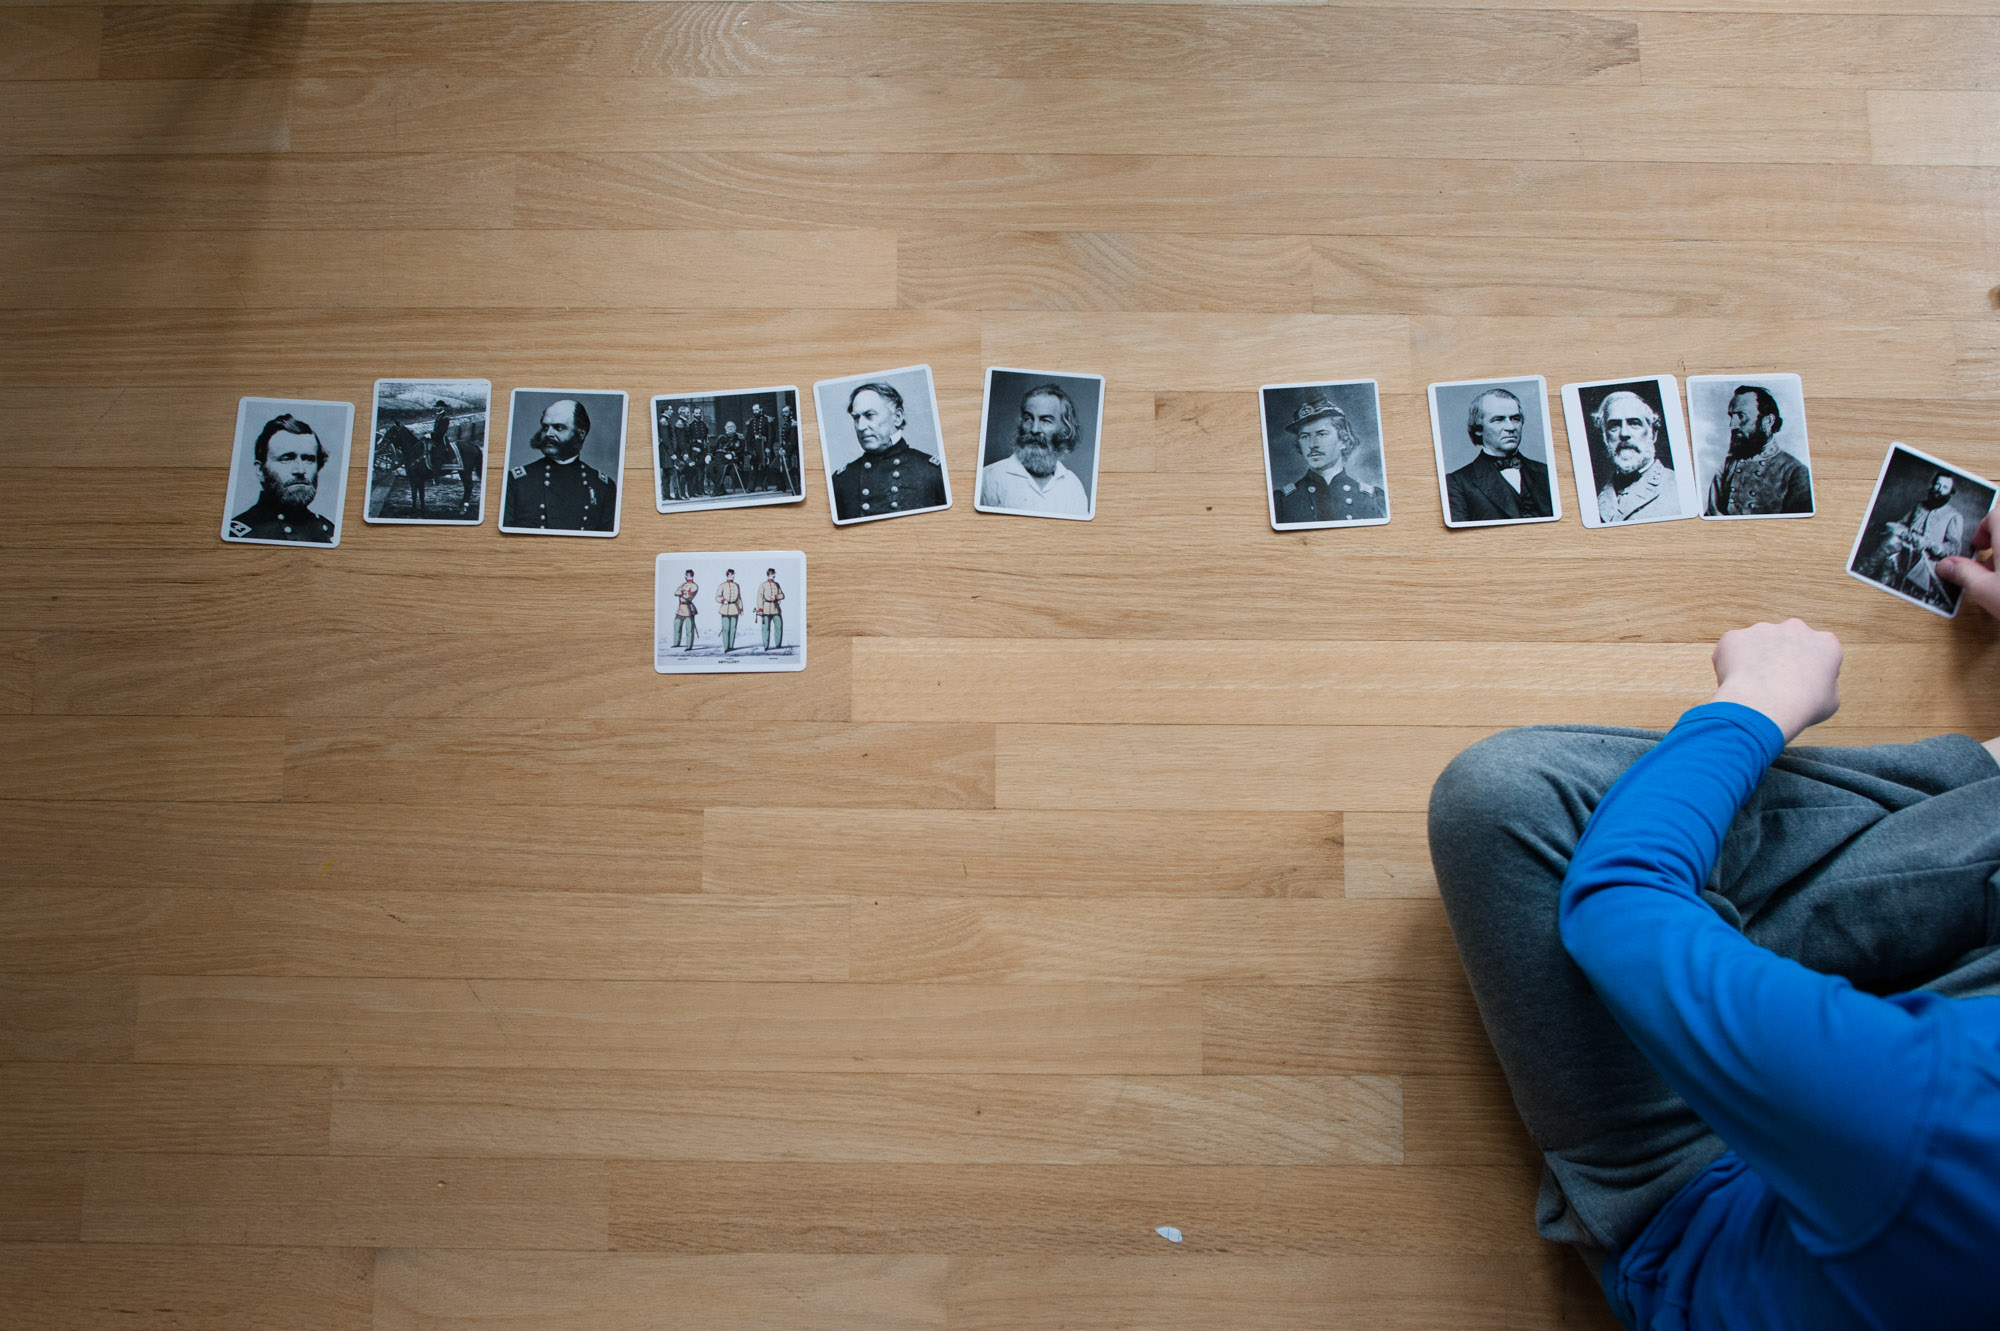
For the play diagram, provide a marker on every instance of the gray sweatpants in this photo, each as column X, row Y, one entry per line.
column 1877, row 864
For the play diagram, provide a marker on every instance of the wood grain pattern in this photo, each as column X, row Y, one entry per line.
column 1934, row 128
column 86, row 1286
column 103, row 1108
column 1424, row 1026
column 67, row 1020
column 1049, row 270
column 1923, row 51
column 16, row 672
column 88, row 118
column 44, row 1197
column 140, row 758
column 49, row 43
column 1387, row 855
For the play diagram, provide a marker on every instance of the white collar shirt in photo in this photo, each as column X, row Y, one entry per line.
column 1007, row 484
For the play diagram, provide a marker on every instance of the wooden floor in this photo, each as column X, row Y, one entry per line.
column 384, row 946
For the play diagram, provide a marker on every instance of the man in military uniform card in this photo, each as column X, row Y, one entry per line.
column 288, row 476
column 1323, row 454
column 1923, row 510
column 1629, row 450
column 565, row 455
column 880, row 444
column 733, row 452
column 687, row 642
column 1491, row 438
column 1750, row 451
column 427, row 452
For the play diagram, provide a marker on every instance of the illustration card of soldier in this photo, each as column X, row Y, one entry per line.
column 1629, row 450
column 881, row 446
column 1923, row 510
column 729, row 612
column 1323, row 454
column 1750, row 454
column 565, row 455
column 1039, row 433
column 427, row 451
column 288, row 474
column 727, row 450
column 1495, row 455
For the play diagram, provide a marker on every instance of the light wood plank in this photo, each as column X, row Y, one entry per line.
column 337, row 847
column 1096, row 191
column 1219, row 42
column 67, row 1020
column 53, row 42
column 368, row 270
column 870, row 1118
column 1101, row 1029
column 1502, row 278
column 1925, row 50
column 630, row 1291
column 561, row 763
column 1469, row 1292
column 1935, row 128
column 517, row 935
column 1179, row 941
column 928, row 113
column 1465, row 1119
column 90, row 118
column 1213, row 351
column 103, row 1107
column 44, row 1201
column 1388, row 855
column 1416, row 1026
column 155, row 1287
column 140, row 758
column 342, row 1202
column 1014, row 853
column 985, row 1210
column 1050, row 270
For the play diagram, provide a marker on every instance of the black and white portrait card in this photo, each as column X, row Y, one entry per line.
column 288, row 472
column 729, row 612
column 1751, row 459
column 881, row 446
column 1039, row 432
column 565, row 458
column 427, row 451
column 1323, row 454
column 1923, row 510
column 1628, row 447
column 727, row 450
column 1495, row 458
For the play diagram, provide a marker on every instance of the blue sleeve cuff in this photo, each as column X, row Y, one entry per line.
column 1769, row 738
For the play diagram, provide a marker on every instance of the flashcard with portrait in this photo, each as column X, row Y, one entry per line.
column 729, row 612
column 565, row 462
column 734, row 449
column 288, row 472
column 1923, row 510
column 1495, row 456
column 1751, row 458
column 1628, row 449
column 881, row 446
column 427, row 452
column 1039, row 434
column 1323, row 454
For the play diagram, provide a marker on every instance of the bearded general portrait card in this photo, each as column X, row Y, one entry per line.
column 1750, row 453
column 288, row 473
column 1039, row 433
column 1629, row 449
column 1495, row 458
column 565, row 458
column 881, row 446
column 1323, row 454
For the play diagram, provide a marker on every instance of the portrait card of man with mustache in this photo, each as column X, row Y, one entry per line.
column 1491, row 437
column 1750, row 452
column 1040, row 434
column 1323, row 454
column 880, row 445
column 1629, row 449
column 565, row 455
column 288, row 480
column 1923, row 510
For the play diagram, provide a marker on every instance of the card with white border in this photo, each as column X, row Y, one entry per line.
column 1751, row 457
column 1647, row 473
column 1041, row 434
column 288, row 472
column 738, row 449
column 1923, row 510
column 565, row 461
column 427, row 452
column 881, row 445
column 1323, row 454
column 729, row 612
column 1495, row 452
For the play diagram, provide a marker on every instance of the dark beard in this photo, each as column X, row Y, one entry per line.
column 1935, row 500
column 298, row 494
column 1749, row 445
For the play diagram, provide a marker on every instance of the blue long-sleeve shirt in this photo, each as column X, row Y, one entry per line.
column 1862, row 1187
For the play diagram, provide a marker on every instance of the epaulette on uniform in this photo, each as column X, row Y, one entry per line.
column 238, row 528
column 521, row 473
